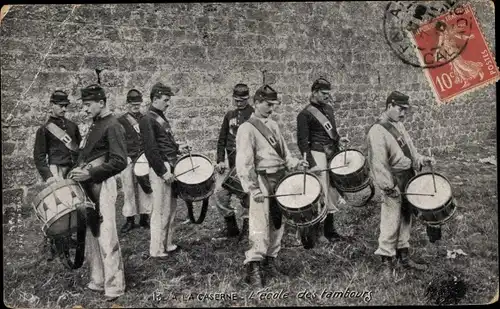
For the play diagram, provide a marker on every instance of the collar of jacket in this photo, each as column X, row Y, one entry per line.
column 102, row 116
column 384, row 117
column 158, row 111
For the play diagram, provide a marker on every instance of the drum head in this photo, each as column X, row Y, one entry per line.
column 354, row 160
column 424, row 184
column 204, row 169
column 295, row 184
column 141, row 166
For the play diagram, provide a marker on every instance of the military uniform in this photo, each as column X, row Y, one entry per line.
column 392, row 164
column 227, row 144
column 161, row 152
column 320, row 141
column 56, row 148
column 104, row 148
column 260, row 167
column 136, row 199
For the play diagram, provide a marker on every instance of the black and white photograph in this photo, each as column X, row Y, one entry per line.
column 249, row 154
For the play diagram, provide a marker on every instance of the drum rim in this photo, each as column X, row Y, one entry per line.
column 51, row 188
column 339, row 152
column 300, row 173
column 429, row 173
column 194, row 155
column 453, row 202
column 319, row 218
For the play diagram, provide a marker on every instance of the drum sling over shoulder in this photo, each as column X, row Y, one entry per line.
column 268, row 135
column 133, row 122
column 161, row 121
column 274, row 210
column 327, row 125
column 61, row 135
column 405, row 176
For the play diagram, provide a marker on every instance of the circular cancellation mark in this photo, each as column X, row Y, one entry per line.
column 415, row 30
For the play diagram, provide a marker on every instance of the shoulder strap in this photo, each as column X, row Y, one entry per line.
column 61, row 135
column 133, row 122
column 398, row 136
column 327, row 125
column 161, row 121
column 268, row 135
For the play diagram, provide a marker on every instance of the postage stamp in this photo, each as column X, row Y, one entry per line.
column 457, row 59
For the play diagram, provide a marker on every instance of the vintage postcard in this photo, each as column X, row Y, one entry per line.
column 249, row 154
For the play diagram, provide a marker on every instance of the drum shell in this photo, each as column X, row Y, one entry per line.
column 437, row 215
column 56, row 207
column 353, row 182
column 195, row 192
column 307, row 215
column 233, row 184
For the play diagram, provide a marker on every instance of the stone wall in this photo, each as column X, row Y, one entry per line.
column 205, row 49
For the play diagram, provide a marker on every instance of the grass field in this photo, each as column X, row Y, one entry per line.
column 205, row 266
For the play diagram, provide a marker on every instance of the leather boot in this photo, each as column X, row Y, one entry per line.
column 144, row 221
column 130, row 224
column 387, row 265
column 50, row 245
column 231, row 229
column 329, row 230
column 255, row 276
column 404, row 260
column 269, row 266
column 433, row 232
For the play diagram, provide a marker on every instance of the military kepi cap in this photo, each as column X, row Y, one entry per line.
column 160, row 89
column 321, row 84
column 266, row 93
column 241, row 91
column 93, row 93
column 398, row 98
column 134, row 96
column 59, row 97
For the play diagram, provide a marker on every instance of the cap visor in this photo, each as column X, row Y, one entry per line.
column 273, row 101
column 240, row 97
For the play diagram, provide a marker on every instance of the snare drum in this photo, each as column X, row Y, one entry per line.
column 435, row 209
column 141, row 172
column 349, row 171
column 305, row 209
column 56, row 207
column 232, row 184
column 194, row 184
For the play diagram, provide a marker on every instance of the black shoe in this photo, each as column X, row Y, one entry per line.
column 329, row 230
column 387, row 265
column 269, row 266
column 433, row 232
column 129, row 225
column 255, row 275
column 144, row 221
column 404, row 260
column 51, row 251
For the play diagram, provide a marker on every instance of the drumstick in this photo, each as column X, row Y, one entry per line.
column 191, row 169
column 332, row 168
column 190, row 158
column 432, row 171
column 345, row 151
column 279, row 195
column 305, row 158
column 423, row 194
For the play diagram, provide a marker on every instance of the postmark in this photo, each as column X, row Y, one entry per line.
column 403, row 19
column 457, row 36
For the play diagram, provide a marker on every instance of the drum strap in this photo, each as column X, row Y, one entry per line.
column 327, row 125
column 133, row 122
column 61, row 135
column 161, row 121
column 398, row 136
column 268, row 135
column 270, row 184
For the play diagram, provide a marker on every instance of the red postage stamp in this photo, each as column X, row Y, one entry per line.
column 458, row 59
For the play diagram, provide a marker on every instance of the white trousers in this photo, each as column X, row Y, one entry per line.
column 103, row 253
column 264, row 239
column 162, row 215
column 136, row 201
column 58, row 171
column 331, row 194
